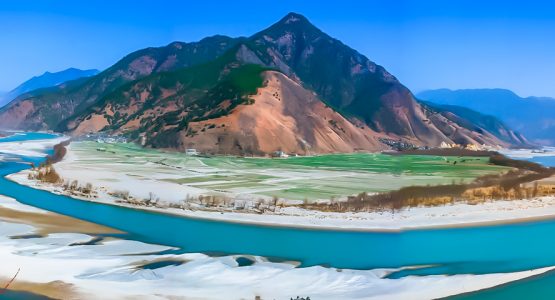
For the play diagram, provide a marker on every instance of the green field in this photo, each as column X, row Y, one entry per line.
column 295, row 178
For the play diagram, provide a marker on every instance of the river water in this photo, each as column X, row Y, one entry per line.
column 472, row 250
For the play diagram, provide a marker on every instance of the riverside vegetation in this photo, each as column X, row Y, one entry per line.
column 521, row 182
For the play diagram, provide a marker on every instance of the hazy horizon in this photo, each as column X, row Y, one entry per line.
column 426, row 45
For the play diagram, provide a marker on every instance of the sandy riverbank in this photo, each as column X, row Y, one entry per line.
column 30, row 148
column 527, row 153
column 66, row 266
column 47, row 222
column 455, row 215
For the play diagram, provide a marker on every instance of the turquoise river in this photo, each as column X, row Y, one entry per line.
column 469, row 250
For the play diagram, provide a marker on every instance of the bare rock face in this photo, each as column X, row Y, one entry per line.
column 284, row 117
column 18, row 113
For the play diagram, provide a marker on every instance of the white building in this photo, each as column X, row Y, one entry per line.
column 191, row 151
column 280, row 154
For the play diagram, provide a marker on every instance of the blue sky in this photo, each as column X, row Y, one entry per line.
column 426, row 44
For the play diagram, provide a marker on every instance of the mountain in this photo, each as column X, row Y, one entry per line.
column 533, row 116
column 290, row 87
column 226, row 106
column 47, row 109
column 46, row 80
column 350, row 83
column 478, row 122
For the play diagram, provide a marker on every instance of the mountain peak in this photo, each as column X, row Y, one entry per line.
column 293, row 17
column 295, row 20
column 216, row 38
column 71, row 70
column 292, row 22
column 47, row 79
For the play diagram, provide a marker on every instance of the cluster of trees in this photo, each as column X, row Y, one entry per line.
column 483, row 194
column 151, row 200
column 74, row 187
column 60, row 152
column 46, row 174
column 432, row 196
column 204, row 202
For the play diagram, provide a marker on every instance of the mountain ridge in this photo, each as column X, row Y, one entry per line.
column 46, row 80
column 531, row 115
column 161, row 94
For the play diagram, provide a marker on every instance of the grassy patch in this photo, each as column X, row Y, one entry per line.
column 297, row 178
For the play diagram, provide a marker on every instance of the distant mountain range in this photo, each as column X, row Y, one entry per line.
column 290, row 87
column 532, row 116
column 44, row 81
